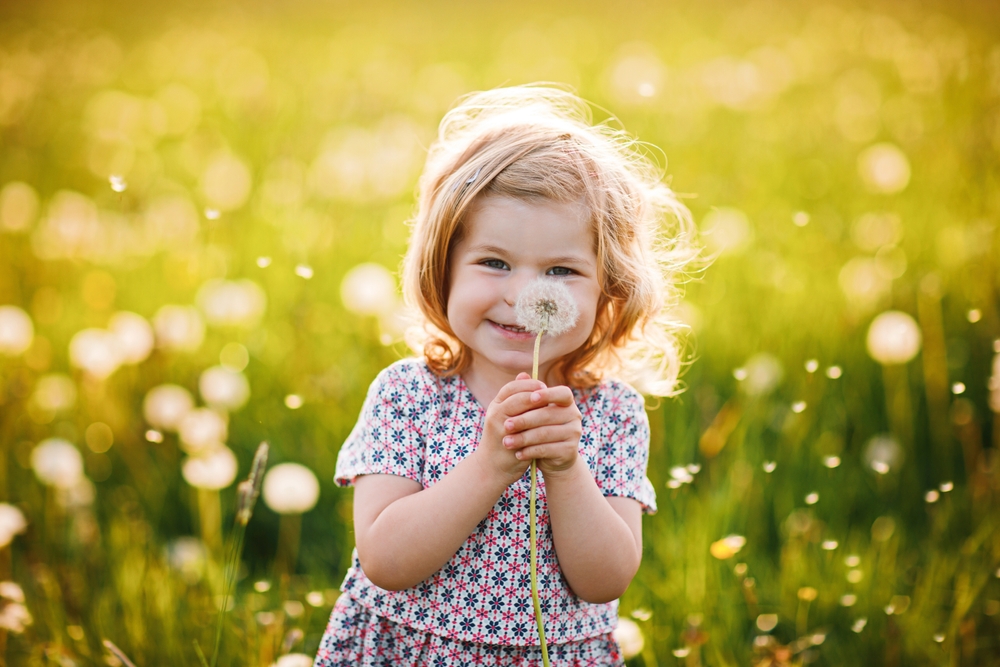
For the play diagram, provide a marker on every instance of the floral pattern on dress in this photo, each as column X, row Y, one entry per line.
column 419, row 426
column 358, row 638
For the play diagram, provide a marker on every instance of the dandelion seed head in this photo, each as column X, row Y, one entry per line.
column 798, row 406
column 859, row 624
column 946, row 486
column 629, row 637
column 831, row 461
column 812, row 498
column 848, row 600
column 812, row 366
column 852, row 560
column 117, row 182
column 546, row 306
column 939, row 637
column 834, row 372
column 830, row 545
column 291, row 488
column 932, row 496
column 769, row 466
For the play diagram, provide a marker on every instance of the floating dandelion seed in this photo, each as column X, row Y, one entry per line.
column 546, row 307
column 304, row 271
column 641, row 614
column 263, row 262
column 812, row 366
column 117, row 182
column 769, row 466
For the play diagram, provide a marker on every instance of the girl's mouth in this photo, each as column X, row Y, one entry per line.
column 512, row 331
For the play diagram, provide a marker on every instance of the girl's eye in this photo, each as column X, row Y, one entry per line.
column 560, row 271
column 494, row 263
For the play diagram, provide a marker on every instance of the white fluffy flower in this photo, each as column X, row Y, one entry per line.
column 12, row 522
column 213, row 470
column 290, row 488
column 16, row 331
column 893, row 338
column 224, row 388
column 629, row 637
column 546, row 306
column 166, row 406
column 202, row 429
column 134, row 335
column 57, row 463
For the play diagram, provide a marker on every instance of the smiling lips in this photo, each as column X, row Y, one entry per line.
column 509, row 331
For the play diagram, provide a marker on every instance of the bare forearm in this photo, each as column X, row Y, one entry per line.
column 597, row 551
column 414, row 537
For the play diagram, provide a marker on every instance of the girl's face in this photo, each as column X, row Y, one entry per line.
column 508, row 243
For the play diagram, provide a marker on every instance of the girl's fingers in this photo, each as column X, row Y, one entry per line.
column 522, row 385
column 552, row 450
column 550, row 415
column 536, row 436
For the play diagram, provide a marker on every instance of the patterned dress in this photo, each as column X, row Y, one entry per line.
column 477, row 610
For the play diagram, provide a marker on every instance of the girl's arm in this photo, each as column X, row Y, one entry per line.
column 405, row 533
column 598, row 540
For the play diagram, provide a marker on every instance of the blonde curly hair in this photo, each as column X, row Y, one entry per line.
column 539, row 142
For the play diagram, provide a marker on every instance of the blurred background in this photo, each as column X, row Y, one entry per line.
column 202, row 211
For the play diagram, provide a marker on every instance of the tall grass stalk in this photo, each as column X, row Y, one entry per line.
column 246, row 497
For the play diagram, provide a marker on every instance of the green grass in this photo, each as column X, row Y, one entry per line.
column 765, row 108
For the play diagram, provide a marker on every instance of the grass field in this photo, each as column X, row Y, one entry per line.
column 235, row 178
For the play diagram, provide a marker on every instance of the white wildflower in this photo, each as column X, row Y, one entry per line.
column 546, row 306
column 12, row 522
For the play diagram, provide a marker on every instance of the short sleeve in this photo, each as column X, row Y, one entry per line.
column 388, row 438
column 623, row 454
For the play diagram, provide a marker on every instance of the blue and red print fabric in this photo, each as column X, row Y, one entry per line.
column 417, row 425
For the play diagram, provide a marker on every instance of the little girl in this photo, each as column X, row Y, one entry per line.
column 519, row 186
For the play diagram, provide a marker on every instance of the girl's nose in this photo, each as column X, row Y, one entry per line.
column 515, row 284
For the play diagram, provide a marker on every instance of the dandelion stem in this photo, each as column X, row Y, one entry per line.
column 533, row 525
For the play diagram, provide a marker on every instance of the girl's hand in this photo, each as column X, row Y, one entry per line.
column 549, row 431
column 513, row 399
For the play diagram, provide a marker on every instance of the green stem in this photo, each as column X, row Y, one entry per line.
column 533, row 540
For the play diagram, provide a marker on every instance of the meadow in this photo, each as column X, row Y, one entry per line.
column 202, row 216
